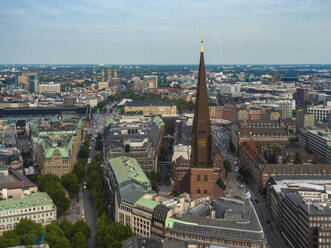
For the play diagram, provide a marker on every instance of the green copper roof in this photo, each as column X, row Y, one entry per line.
column 109, row 121
column 323, row 134
column 126, row 168
column 158, row 121
column 170, row 222
column 147, row 203
column 35, row 199
column 49, row 149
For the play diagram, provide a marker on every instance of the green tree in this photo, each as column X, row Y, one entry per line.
column 98, row 142
column 52, row 185
column 276, row 148
column 298, row 158
column 70, row 182
column 9, row 239
column 227, row 166
column 67, row 227
column 79, row 240
column 258, row 147
column 82, row 226
column 55, row 236
column 112, row 236
column 221, row 184
column 79, row 170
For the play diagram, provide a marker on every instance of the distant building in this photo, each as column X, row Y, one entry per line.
column 226, row 112
column 56, row 144
column 301, row 96
column 304, row 120
column 135, row 136
column 151, row 81
column 264, row 131
column 317, row 141
column 103, row 85
column 320, row 112
column 107, row 74
column 151, row 107
column 38, row 207
column 49, row 88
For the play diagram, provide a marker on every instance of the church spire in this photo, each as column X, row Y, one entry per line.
column 201, row 134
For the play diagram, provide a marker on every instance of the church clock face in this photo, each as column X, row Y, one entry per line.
column 202, row 142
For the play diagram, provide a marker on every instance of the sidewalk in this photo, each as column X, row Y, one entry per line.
column 76, row 209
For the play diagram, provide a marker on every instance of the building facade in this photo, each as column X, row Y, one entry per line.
column 38, row 207
column 151, row 107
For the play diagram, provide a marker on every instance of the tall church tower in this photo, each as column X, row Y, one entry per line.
column 202, row 166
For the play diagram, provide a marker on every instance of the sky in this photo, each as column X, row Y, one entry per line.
column 165, row 31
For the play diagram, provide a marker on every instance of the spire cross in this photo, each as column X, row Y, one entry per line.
column 202, row 46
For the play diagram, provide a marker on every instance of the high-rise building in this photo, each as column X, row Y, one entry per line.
column 301, row 95
column 202, row 178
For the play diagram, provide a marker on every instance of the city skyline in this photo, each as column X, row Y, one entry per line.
column 165, row 32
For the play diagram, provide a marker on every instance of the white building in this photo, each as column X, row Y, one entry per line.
column 49, row 88
column 320, row 112
column 38, row 207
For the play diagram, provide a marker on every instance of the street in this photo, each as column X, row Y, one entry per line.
column 236, row 187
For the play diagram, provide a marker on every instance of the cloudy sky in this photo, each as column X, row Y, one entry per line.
column 165, row 31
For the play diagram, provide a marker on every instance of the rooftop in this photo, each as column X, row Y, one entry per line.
column 322, row 133
column 34, row 200
column 13, row 180
column 149, row 103
column 127, row 169
column 230, row 222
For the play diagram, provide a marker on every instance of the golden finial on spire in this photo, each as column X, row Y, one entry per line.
column 202, row 46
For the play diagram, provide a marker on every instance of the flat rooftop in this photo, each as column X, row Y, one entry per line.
column 34, row 200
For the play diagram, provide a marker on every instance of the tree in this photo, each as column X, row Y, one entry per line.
column 10, row 239
column 81, row 226
column 276, row 148
column 221, row 184
column 298, row 158
column 258, row 147
column 79, row 240
column 55, row 236
column 51, row 184
column 112, row 236
column 67, row 227
column 79, row 170
column 227, row 166
column 244, row 172
column 98, row 142
column 70, row 182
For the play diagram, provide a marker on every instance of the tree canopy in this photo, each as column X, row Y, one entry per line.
column 51, row 184
column 63, row 235
column 70, row 182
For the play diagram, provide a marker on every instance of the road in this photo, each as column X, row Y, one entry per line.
column 236, row 187
column 90, row 209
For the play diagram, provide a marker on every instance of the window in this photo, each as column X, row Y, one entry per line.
column 198, row 191
column 205, row 192
column 206, row 178
column 198, row 178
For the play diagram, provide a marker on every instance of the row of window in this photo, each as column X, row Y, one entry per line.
column 205, row 178
column 22, row 217
column 198, row 192
column 21, row 211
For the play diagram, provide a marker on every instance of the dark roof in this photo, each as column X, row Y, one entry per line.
column 160, row 213
column 41, row 112
column 15, row 180
column 149, row 103
column 138, row 242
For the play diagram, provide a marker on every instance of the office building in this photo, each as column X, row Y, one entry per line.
column 301, row 96
column 204, row 222
column 320, row 112
column 56, row 144
column 317, row 141
column 151, row 81
column 38, row 207
column 304, row 120
column 139, row 137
